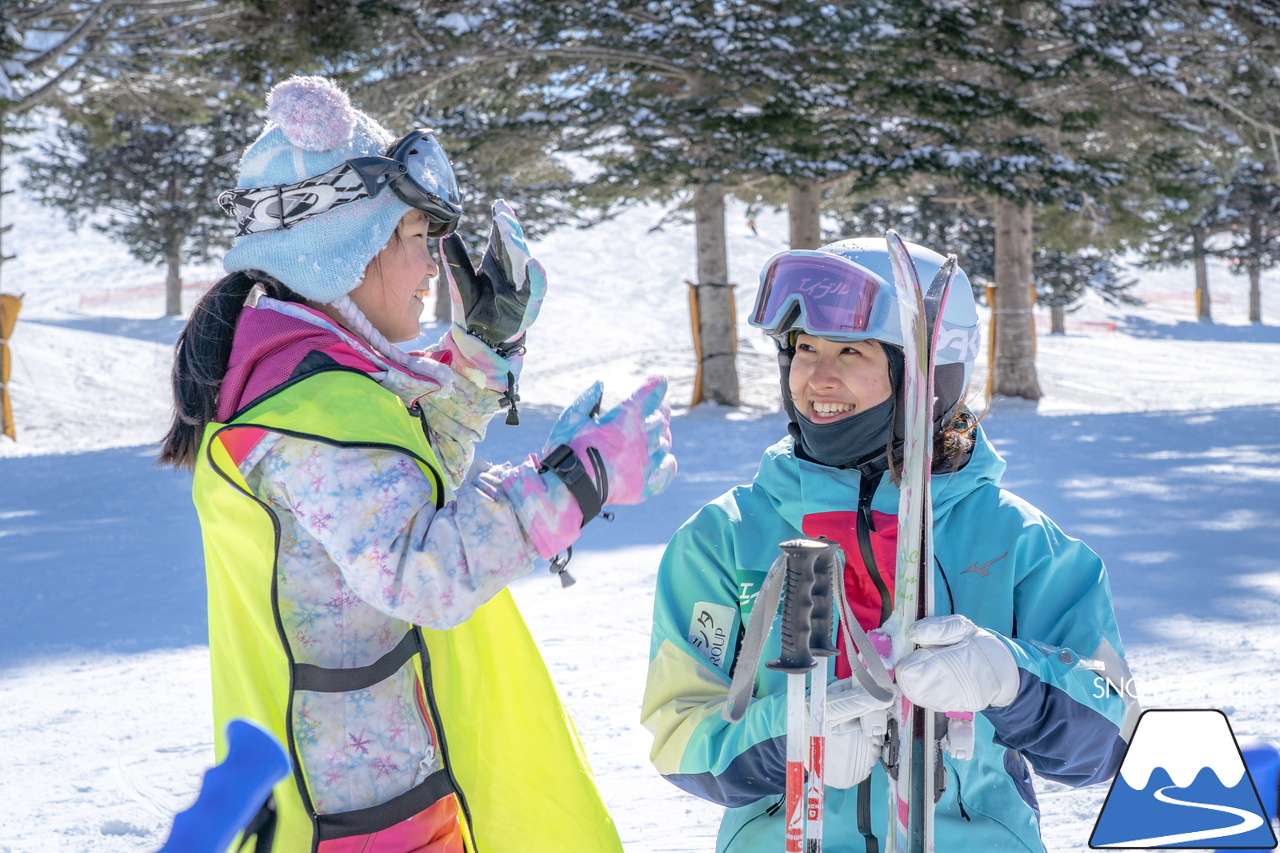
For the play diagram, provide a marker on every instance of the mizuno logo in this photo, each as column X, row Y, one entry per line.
column 985, row 567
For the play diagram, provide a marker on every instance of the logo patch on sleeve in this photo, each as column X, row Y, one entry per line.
column 710, row 629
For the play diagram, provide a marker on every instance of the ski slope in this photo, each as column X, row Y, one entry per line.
column 1157, row 442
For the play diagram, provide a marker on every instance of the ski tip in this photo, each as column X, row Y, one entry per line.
column 906, row 279
column 942, row 281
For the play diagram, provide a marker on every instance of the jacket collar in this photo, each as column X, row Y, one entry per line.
column 273, row 338
column 798, row 487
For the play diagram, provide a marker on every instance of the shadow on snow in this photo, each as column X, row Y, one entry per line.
column 102, row 550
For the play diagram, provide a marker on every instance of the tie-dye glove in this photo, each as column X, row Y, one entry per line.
column 626, row 452
column 498, row 302
column 590, row 461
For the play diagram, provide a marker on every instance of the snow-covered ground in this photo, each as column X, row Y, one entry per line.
column 1157, row 441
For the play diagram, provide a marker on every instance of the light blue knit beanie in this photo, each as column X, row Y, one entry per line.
column 312, row 128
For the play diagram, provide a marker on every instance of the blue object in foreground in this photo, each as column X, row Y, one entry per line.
column 233, row 792
column 1263, row 760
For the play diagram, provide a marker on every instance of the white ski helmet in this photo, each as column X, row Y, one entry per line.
column 846, row 291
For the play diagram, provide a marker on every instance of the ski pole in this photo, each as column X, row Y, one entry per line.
column 824, row 573
column 795, row 660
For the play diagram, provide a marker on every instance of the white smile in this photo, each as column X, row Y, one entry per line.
column 827, row 410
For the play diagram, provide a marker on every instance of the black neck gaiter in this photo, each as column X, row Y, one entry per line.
column 847, row 442
column 856, row 439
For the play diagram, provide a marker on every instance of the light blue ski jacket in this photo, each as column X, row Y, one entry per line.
column 1000, row 562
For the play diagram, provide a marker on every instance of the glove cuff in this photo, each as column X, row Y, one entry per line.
column 506, row 348
column 1005, row 666
column 547, row 509
column 567, row 466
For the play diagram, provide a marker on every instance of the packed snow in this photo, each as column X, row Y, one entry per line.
column 1157, row 442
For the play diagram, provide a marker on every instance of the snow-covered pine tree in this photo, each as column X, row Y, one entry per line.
column 444, row 70
column 1231, row 71
column 1007, row 99
column 1062, row 278
column 1225, row 54
column 1251, row 212
column 1185, row 211
column 682, row 101
column 1066, row 264
column 148, row 179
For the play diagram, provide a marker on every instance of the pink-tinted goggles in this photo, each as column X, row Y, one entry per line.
column 821, row 293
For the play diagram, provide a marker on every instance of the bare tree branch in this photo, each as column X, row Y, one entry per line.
column 1273, row 132
column 77, row 35
column 46, row 89
column 140, row 34
column 40, row 11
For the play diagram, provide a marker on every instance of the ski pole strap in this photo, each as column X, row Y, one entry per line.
column 871, row 674
column 744, row 676
column 566, row 465
column 864, row 817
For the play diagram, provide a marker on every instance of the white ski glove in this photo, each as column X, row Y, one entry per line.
column 960, row 666
column 856, row 724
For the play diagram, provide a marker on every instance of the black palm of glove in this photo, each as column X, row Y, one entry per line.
column 498, row 302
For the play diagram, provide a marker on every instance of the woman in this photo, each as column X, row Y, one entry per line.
column 1027, row 617
column 357, row 561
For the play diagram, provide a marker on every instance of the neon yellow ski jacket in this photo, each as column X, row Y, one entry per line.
column 510, row 764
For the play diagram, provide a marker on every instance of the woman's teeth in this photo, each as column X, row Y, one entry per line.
column 829, row 409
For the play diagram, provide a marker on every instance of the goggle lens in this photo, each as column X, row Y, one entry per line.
column 835, row 297
column 429, row 184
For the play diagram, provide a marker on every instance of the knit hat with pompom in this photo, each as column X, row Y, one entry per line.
column 311, row 128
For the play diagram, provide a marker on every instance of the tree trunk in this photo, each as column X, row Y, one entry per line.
column 4, row 117
column 1057, row 320
column 716, row 327
column 1202, row 275
column 1255, row 269
column 173, row 280
column 1013, row 368
column 804, row 208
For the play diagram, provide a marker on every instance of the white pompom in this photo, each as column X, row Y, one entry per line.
column 314, row 113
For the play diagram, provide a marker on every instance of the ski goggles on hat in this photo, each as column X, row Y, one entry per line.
column 415, row 167
column 823, row 294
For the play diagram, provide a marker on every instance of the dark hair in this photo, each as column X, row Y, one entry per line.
column 200, row 360
column 954, row 442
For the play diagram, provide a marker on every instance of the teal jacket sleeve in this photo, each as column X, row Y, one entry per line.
column 1073, row 710
column 697, row 624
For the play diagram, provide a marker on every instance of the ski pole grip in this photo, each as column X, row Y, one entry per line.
column 828, row 566
column 797, row 606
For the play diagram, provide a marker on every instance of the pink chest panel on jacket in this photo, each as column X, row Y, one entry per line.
column 861, row 591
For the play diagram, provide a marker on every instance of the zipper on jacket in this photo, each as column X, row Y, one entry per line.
column 429, row 691
column 417, row 411
column 772, row 810
column 960, row 802
column 867, row 485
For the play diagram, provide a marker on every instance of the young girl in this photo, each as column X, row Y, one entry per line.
column 357, row 561
column 1027, row 625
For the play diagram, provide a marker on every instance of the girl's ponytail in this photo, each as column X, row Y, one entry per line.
column 200, row 361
